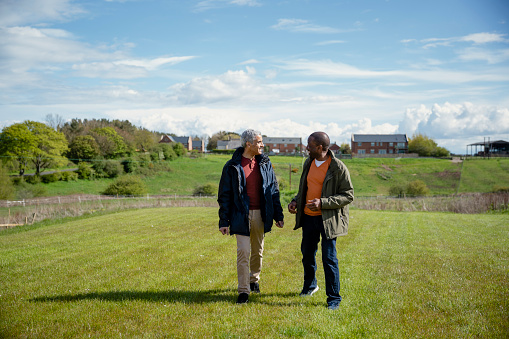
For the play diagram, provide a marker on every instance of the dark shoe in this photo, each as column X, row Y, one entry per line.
column 243, row 298
column 333, row 307
column 255, row 287
column 309, row 292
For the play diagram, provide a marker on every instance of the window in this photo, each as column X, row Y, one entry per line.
column 391, row 144
column 372, row 144
column 361, row 151
column 391, row 151
column 372, row 151
column 382, row 151
column 359, row 144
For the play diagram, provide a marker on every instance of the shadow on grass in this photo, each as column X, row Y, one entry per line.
column 197, row 297
column 185, row 297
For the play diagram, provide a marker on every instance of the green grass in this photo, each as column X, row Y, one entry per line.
column 480, row 175
column 169, row 273
column 370, row 177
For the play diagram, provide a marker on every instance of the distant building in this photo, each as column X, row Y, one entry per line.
column 498, row 148
column 364, row 144
column 228, row 144
column 285, row 145
column 188, row 142
column 335, row 148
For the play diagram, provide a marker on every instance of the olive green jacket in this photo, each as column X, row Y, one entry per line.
column 337, row 193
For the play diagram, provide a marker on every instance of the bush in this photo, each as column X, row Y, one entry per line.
column 53, row 177
column 417, row 188
column 25, row 190
column 130, row 165
column 32, row 179
column 6, row 185
column 84, row 171
column 69, row 176
column 126, row 185
column 397, row 190
column 108, row 168
column 207, row 189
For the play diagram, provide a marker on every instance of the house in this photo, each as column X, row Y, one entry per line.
column 228, row 144
column 188, row 142
column 383, row 144
column 335, row 148
column 285, row 145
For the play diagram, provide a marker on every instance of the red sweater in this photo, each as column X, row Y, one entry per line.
column 253, row 181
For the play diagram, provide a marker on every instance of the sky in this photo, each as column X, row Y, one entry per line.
column 285, row 68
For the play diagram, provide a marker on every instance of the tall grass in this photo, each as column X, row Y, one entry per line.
column 167, row 272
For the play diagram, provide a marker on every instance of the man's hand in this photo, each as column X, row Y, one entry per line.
column 314, row 205
column 292, row 207
column 280, row 223
column 224, row 230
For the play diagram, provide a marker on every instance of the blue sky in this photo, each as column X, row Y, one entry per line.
column 286, row 68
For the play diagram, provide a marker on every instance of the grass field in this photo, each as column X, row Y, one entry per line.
column 168, row 272
column 370, row 177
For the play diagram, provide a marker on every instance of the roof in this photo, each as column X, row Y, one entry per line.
column 379, row 138
column 498, row 142
column 282, row 140
column 182, row 140
column 334, row 147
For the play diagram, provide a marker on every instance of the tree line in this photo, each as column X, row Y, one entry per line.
column 35, row 145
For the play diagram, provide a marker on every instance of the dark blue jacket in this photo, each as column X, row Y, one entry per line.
column 234, row 202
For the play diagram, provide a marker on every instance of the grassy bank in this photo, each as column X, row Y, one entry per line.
column 167, row 272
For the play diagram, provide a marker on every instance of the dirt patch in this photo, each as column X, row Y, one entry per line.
column 386, row 167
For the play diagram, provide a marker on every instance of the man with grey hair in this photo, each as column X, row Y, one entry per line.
column 248, row 200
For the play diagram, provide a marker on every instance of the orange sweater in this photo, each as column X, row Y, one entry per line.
column 315, row 179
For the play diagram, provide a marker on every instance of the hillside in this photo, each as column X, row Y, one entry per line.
column 371, row 177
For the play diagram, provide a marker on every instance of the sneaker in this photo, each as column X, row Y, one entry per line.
column 243, row 298
column 333, row 307
column 309, row 292
column 255, row 287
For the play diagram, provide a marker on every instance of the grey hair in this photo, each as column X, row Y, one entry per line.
column 248, row 135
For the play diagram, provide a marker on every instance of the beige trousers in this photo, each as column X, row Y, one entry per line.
column 250, row 252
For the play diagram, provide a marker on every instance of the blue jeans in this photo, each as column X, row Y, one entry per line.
column 312, row 228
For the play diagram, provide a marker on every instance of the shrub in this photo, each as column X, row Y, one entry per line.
column 417, row 188
column 32, row 179
column 126, row 185
column 69, row 176
column 108, row 168
column 130, row 165
column 53, row 177
column 27, row 191
column 6, row 185
column 397, row 190
column 207, row 189
column 84, row 171
column 500, row 189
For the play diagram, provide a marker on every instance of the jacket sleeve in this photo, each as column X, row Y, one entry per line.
column 276, row 202
column 343, row 192
column 224, row 196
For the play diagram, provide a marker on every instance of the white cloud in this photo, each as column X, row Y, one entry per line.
column 490, row 56
column 230, row 86
column 330, row 42
column 22, row 12
column 125, row 69
column 483, row 38
column 299, row 25
column 449, row 121
column 212, row 4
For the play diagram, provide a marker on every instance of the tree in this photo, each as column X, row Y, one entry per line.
column 17, row 142
column 83, row 148
column 56, row 122
column 426, row 147
column 345, row 148
column 179, row 149
column 50, row 145
column 221, row 135
column 111, row 144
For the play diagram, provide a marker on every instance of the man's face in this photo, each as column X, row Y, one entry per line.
column 256, row 148
column 315, row 151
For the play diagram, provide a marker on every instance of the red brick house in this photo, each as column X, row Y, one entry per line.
column 188, row 142
column 379, row 144
column 285, row 145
